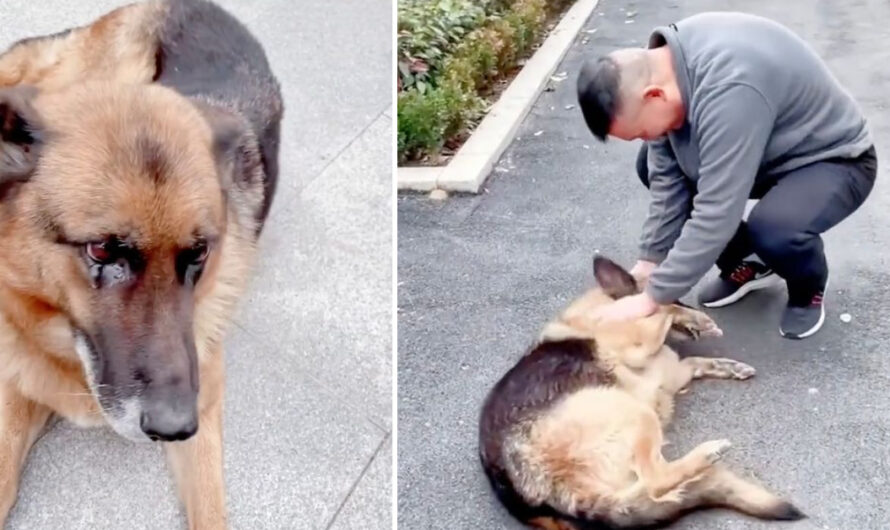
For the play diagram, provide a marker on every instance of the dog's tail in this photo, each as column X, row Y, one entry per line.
column 722, row 487
column 719, row 487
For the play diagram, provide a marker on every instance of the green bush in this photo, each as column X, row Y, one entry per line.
column 428, row 30
column 474, row 63
column 426, row 120
column 449, row 58
column 527, row 19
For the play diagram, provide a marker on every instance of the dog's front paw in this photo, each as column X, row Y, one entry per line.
column 735, row 369
column 695, row 324
column 710, row 330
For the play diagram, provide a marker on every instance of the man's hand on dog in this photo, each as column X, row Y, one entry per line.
column 642, row 270
column 627, row 308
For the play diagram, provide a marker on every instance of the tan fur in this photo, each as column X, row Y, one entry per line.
column 91, row 97
column 21, row 421
column 548, row 523
column 598, row 450
column 197, row 463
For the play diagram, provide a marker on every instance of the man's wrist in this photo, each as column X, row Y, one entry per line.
column 652, row 293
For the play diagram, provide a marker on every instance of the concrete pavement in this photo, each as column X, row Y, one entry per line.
column 308, row 398
column 478, row 275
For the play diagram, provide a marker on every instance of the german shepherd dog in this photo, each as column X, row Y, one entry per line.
column 571, row 436
column 138, row 161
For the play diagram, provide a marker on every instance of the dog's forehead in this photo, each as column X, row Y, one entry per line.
column 127, row 161
column 145, row 185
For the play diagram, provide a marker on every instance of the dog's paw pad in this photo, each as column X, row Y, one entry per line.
column 702, row 326
column 740, row 370
column 712, row 331
column 716, row 449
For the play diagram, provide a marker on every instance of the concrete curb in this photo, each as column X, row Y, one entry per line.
column 474, row 161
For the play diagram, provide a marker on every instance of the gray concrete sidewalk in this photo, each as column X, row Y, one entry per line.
column 478, row 275
column 308, row 398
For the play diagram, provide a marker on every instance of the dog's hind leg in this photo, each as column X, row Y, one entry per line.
column 716, row 487
column 21, row 422
column 197, row 463
column 665, row 490
column 717, row 368
column 665, row 480
column 720, row 487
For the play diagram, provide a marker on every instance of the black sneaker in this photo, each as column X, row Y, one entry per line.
column 730, row 288
column 799, row 322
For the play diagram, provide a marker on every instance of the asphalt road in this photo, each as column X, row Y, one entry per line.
column 309, row 394
column 478, row 275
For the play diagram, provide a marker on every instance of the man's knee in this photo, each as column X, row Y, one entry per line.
column 643, row 165
column 772, row 238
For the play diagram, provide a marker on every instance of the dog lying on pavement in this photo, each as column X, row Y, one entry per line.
column 571, row 436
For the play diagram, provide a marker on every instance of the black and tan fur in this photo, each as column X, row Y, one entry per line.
column 138, row 161
column 571, row 436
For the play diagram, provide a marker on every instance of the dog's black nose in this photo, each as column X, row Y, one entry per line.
column 167, row 423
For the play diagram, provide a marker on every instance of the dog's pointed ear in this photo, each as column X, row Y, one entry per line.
column 613, row 279
column 20, row 134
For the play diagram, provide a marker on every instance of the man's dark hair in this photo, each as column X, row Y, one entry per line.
column 598, row 85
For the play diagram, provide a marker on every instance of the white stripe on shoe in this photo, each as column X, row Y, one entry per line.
column 810, row 331
column 818, row 325
column 769, row 280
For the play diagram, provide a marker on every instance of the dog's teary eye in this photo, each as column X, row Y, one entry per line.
column 110, row 261
column 190, row 262
column 199, row 251
column 101, row 251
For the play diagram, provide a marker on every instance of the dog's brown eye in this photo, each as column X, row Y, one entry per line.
column 190, row 262
column 100, row 252
column 199, row 252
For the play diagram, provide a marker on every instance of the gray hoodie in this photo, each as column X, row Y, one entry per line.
column 759, row 103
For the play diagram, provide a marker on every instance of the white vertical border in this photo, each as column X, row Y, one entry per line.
column 394, row 435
